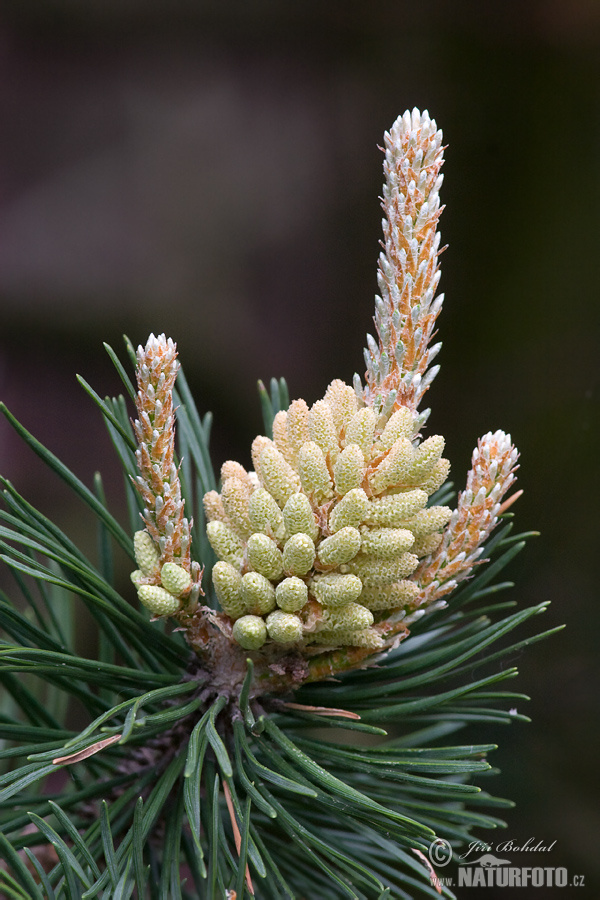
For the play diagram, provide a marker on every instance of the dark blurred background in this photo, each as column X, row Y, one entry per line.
column 211, row 170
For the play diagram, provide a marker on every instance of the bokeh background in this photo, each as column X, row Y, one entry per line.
column 211, row 170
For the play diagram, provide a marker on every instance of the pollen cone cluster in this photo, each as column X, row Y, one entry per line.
column 318, row 544
column 330, row 542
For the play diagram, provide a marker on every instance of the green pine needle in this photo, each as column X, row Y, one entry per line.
column 143, row 785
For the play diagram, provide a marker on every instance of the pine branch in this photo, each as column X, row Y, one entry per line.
column 271, row 617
